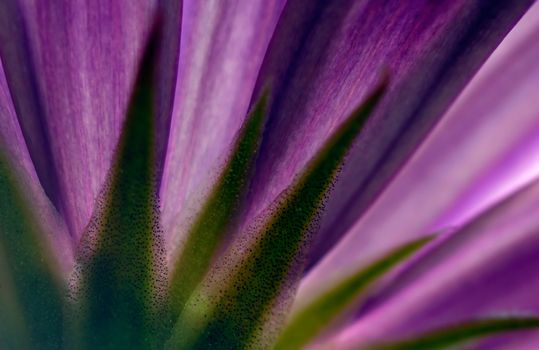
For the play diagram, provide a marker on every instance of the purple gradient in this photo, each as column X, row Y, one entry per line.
column 428, row 160
column 83, row 55
column 484, row 149
column 13, row 145
column 485, row 269
column 324, row 58
column 222, row 47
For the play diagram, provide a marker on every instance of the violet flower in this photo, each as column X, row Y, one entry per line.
column 259, row 174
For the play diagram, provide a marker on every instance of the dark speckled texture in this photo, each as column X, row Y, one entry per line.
column 272, row 252
column 121, row 265
column 321, row 62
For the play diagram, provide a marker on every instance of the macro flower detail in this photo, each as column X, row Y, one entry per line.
column 277, row 174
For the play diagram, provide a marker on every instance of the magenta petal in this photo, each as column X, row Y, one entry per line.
column 326, row 54
column 222, row 46
column 79, row 57
column 487, row 268
column 485, row 147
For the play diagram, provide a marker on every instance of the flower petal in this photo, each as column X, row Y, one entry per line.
column 321, row 61
column 70, row 65
column 486, row 268
column 120, row 278
column 13, row 146
column 222, row 46
column 257, row 276
column 307, row 321
column 522, row 341
column 20, row 76
column 485, row 147
column 218, row 215
column 458, row 334
column 11, row 136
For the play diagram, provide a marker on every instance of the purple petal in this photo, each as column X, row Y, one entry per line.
column 485, row 147
column 222, row 46
column 71, row 65
column 13, row 144
column 528, row 340
column 169, row 54
column 325, row 55
column 20, row 79
column 486, row 268
column 11, row 137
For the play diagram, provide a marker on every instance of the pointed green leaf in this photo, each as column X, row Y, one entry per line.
column 121, row 263
column 32, row 308
column 218, row 213
column 307, row 323
column 449, row 337
column 233, row 319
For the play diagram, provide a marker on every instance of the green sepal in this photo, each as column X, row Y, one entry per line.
column 32, row 293
column 449, row 337
column 121, row 271
column 306, row 323
column 218, row 213
column 233, row 317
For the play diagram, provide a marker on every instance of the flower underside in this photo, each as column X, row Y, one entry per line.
column 215, row 292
